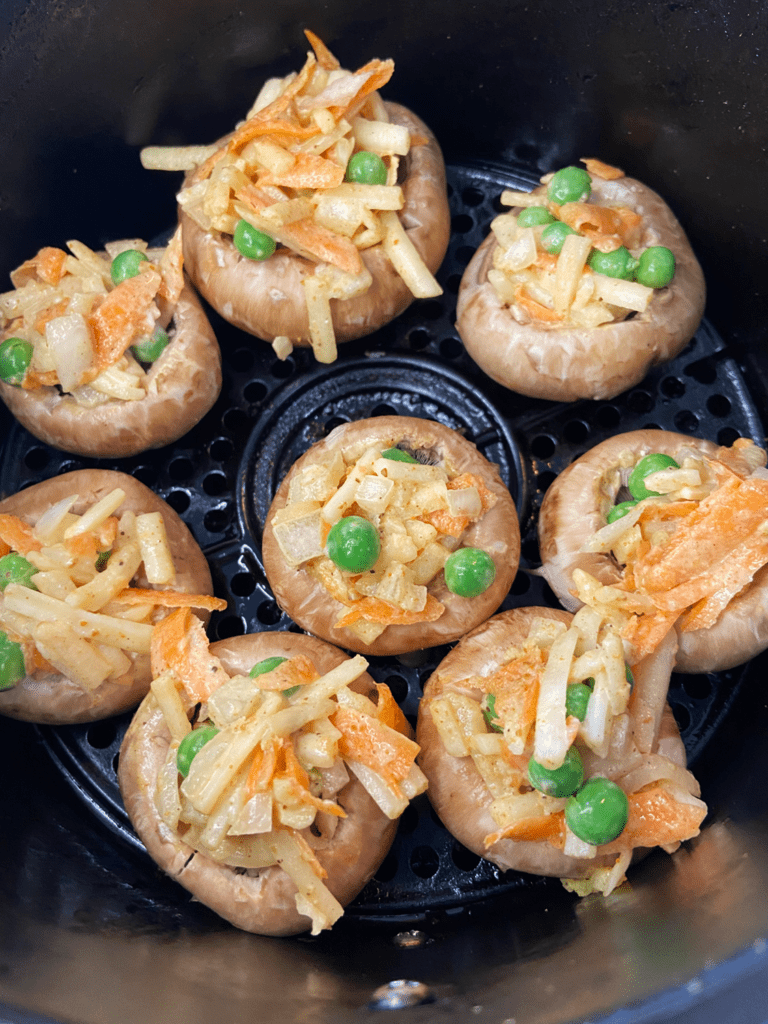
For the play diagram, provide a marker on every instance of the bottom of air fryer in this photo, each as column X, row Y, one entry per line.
column 436, row 929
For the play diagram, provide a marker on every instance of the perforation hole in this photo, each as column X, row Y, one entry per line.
column 418, row 339
column 255, row 392
column 703, row 371
column 461, row 224
column 672, row 387
column 398, row 686
column 179, row 501
column 102, row 734
column 242, row 584
column 463, row 858
column 36, row 459
column 451, row 348
column 472, row 196
column 181, row 469
column 697, row 687
column 424, row 862
column 282, row 368
column 542, row 447
column 268, row 613
column 215, row 483
column 230, row 626
column 216, row 520
column 686, row 421
column 718, row 405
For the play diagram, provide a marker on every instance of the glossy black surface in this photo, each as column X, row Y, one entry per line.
column 673, row 93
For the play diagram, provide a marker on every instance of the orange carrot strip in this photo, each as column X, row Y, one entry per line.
column 591, row 220
column 389, row 712
column 170, row 599
column 487, row 498
column 308, row 171
column 380, row 72
column 122, row 315
column 366, row 740
column 289, row 767
column 34, row 379
column 550, row 827
column 58, row 309
column 179, row 644
column 645, row 632
column 372, row 609
column 598, row 169
column 47, row 266
column 172, row 270
column 657, row 819
column 325, row 58
column 535, row 309
column 17, row 534
column 82, row 545
column 297, row 671
column 262, row 768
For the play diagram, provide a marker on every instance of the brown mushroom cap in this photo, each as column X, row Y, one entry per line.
column 183, row 385
column 50, row 698
column 497, row 532
column 571, row 513
column 564, row 364
column 267, row 298
column 458, row 792
column 263, row 903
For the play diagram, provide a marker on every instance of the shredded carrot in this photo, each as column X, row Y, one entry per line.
column 35, row 379
column 289, row 767
column 172, row 270
column 365, row 739
column 389, row 713
column 262, row 767
column 307, row 171
column 179, row 644
column 598, row 169
column 47, row 266
column 82, row 545
column 515, row 686
column 373, row 609
column 296, row 671
column 170, row 599
column 17, row 534
column 122, row 315
column 657, row 819
column 550, row 827
column 535, row 309
column 58, row 309
column 325, row 58
column 374, row 76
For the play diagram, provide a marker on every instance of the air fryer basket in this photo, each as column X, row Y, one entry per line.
column 91, row 929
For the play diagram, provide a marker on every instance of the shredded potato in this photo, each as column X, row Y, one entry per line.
column 253, row 791
column 71, row 611
column 420, row 512
column 283, row 171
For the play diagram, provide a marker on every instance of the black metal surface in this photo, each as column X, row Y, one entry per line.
column 222, row 476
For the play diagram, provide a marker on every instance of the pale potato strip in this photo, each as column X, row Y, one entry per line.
column 313, row 898
column 154, row 547
column 627, row 294
column 129, row 636
column 391, row 800
column 381, row 138
column 406, row 260
column 106, row 585
column 175, row 158
column 570, row 264
column 321, row 331
column 550, row 742
column 96, row 514
column 374, row 197
column 166, row 691
column 71, row 655
column 512, row 198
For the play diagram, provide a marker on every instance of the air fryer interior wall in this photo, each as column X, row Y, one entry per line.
column 91, row 930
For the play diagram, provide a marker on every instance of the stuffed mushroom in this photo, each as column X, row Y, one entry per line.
column 546, row 754
column 266, row 774
column 107, row 354
column 391, row 535
column 669, row 530
column 322, row 216
column 89, row 561
column 581, row 288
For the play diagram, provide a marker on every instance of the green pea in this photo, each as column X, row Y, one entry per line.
column 628, row 675
column 552, row 237
column 560, row 781
column 12, row 668
column 252, row 243
column 261, row 667
column 126, row 264
column 16, row 569
column 619, row 511
column 598, row 812
column 490, row 713
column 656, row 267
column 619, row 263
column 469, row 572
column 15, row 357
column 366, row 169
column 191, row 746
column 569, row 185
column 151, row 348
column 532, row 216
column 576, row 699
column 652, row 463
column 397, row 455
column 353, row 544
